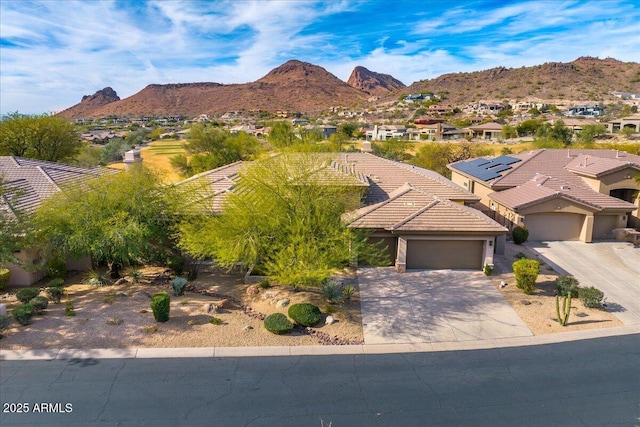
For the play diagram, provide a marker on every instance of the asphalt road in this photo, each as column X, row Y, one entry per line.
column 592, row 382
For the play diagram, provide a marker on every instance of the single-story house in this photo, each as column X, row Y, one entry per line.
column 631, row 122
column 557, row 194
column 384, row 132
column 422, row 218
column 486, row 131
column 27, row 182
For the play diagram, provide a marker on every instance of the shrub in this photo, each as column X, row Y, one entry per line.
column 520, row 235
column 5, row 322
column 27, row 294
column 566, row 285
column 216, row 321
column 488, row 270
column 348, row 291
column 178, row 286
column 135, row 275
column 55, row 293
column 278, row 323
column 331, row 291
column 94, row 278
column 160, row 305
column 57, row 268
column 526, row 272
column 5, row 274
column 305, row 314
column 57, row 282
column 69, row 310
column 520, row 255
column 23, row 314
column 591, row 297
column 39, row 304
column 176, row 265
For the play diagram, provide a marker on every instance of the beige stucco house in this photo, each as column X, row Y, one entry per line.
column 559, row 194
column 422, row 218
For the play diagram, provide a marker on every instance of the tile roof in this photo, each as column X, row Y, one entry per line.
column 409, row 209
column 542, row 188
column 597, row 166
column 28, row 182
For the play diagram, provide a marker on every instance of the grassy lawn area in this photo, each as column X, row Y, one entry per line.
column 156, row 157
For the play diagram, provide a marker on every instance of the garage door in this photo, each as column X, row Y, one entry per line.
column 440, row 254
column 388, row 246
column 554, row 226
column 603, row 226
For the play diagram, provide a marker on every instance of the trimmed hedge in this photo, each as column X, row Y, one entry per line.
column 305, row 314
column 278, row 323
column 39, row 304
column 5, row 274
column 520, row 235
column 55, row 293
column 160, row 305
column 27, row 294
column 23, row 314
column 526, row 272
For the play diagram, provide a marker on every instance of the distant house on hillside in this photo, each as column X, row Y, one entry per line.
column 486, row 131
column 384, row 132
column 630, row 122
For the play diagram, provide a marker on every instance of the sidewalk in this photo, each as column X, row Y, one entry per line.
column 145, row 353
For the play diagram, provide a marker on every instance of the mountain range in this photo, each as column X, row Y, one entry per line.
column 298, row 86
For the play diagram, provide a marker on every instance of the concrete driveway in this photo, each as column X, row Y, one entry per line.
column 433, row 306
column 612, row 267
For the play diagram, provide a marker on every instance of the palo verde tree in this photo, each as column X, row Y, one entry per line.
column 42, row 137
column 436, row 156
column 116, row 218
column 209, row 147
column 283, row 218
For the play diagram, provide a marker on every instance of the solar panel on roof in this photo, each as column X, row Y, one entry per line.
column 484, row 169
column 506, row 160
column 499, row 168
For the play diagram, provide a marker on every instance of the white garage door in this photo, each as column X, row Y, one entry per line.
column 445, row 254
column 554, row 226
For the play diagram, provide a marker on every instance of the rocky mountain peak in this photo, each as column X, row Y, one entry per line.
column 373, row 83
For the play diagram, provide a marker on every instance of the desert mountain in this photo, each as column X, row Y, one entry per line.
column 373, row 83
column 294, row 86
column 91, row 103
column 585, row 79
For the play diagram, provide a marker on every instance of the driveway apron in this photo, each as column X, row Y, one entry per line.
column 422, row 306
column 612, row 267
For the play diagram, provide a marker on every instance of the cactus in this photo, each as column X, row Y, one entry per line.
column 566, row 309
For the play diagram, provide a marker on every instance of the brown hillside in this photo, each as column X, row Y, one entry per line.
column 585, row 79
column 373, row 83
column 294, row 86
column 91, row 103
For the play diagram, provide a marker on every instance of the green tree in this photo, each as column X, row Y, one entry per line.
column 436, row 156
column 509, row 132
column 117, row 218
column 348, row 129
column 282, row 135
column 553, row 136
column 529, row 127
column 113, row 151
column 589, row 132
column 42, row 137
column 393, row 149
column 208, row 148
column 284, row 218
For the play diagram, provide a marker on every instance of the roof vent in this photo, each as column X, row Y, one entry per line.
column 565, row 187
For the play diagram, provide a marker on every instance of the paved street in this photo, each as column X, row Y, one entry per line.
column 612, row 267
column 434, row 306
column 592, row 382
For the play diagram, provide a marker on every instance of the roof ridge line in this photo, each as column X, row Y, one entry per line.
column 428, row 206
column 378, row 205
column 48, row 178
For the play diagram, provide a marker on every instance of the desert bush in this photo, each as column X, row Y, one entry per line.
column 216, row 321
column 5, row 322
column 5, row 274
column 520, row 235
column 305, row 314
column 566, row 285
column 526, row 272
column 69, row 310
column 348, row 291
column 135, row 275
column 520, row 255
column 39, row 304
column 57, row 268
column 57, row 282
column 160, row 305
column 278, row 323
column 591, row 297
column 23, row 314
column 94, row 278
column 55, row 293
column 331, row 291
column 150, row 329
column 265, row 284
column 176, row 265
column 488, row 270
column 25, row 295
column 178, row 285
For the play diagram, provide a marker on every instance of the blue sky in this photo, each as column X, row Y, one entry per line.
column 54, row 52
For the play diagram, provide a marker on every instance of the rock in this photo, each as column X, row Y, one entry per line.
column 223, row 303
column 269, row 294
column 248, row 328
column 503, row 283
column 121, row 281
column 252, row 290
column 210, row 308
column 525, row 302
column 329, row 320
column 122, row 295
column 281, row 303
